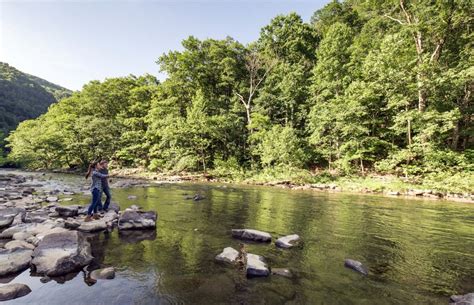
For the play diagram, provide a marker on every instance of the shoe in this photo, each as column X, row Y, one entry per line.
column 88, row 218
column 96, row 216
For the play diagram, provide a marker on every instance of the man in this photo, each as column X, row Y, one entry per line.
column 105, row 185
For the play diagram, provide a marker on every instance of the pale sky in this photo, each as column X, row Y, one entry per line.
column 73, row 42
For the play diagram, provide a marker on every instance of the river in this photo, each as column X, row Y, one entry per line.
column 417, row 252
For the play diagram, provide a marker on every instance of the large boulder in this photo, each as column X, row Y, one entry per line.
column 256, row 266
column 137, row 220
column 288, row 241
column 61, row 253
column 467, row 299
column 67, row 211
column 103, row 274
column 38, row 216
column 14, row 260
column 13, row 291
column 228, row 255
column 356, row 265
column 250, row 234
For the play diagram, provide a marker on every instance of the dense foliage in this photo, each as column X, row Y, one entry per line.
column 383, row 86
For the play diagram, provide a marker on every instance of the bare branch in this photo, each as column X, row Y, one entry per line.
column 394, row 19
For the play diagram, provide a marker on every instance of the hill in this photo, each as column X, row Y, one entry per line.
column 24, row 96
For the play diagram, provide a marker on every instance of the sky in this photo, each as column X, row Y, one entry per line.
column 73, row 42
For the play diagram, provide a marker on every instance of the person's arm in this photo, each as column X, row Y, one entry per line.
column 100, row 175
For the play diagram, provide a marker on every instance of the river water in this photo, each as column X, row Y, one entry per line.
column 417, row 252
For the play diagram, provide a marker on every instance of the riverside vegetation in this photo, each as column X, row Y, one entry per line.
column 365, row 87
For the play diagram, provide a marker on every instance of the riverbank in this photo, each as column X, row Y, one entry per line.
column 372, row 184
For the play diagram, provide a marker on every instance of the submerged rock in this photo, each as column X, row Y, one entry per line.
column 228, row 255
column 61, row 253
column 356, row 265
column 467, row 299
column 256, row 266
column 103, row 274
column 251, row 234
column 282, row 272
column 137, row 220
column 67, row 211
column 135, row 236
column 13, row 291
column 288, row 241
column 14, row 260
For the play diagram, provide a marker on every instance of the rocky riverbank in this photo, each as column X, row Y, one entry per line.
column 334, row 187
column 51, row 239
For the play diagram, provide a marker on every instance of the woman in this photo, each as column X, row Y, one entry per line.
column 96, row 189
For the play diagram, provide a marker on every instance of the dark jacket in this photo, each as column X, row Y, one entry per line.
column 105, row 181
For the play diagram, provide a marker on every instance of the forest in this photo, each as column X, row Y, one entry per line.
column 364, row 87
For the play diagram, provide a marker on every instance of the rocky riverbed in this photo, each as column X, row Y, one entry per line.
column 40, row 234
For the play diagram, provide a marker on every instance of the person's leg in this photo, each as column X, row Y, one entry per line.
column 98, row 205
column 107, row 199
column 92, row 206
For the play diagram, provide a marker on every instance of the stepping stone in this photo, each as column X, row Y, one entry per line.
column 228, row 255
column 288, row 241
column 256, row 266
column 250, row 234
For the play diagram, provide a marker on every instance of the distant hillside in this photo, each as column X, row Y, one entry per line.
column 24, row 96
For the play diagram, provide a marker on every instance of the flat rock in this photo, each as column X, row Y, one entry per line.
column 61, row 253
column 72, row 223
column 467, row 299
column 256, row 266
column 93, row 226
column 13, row 291
column 19, row 244
column 67, row 211
column 21, row 236
column 14, row 260
column 6, row 221
column 137, row 220
column 228, row 255
column 288, row 241
column 282, row 272
column 251, row 234
column 103, row 274
column 52, row 199
column 356, row 265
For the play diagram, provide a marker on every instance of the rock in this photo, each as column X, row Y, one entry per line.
column 228, row 255
column 103, row 274
column 393, row 193
column 198, row 197
column 288, row 241
column 52, row 199
column 256, row 266
column 72, row 223
column 21, row 236
column 132, row 197
column 35, row 216
column 14, row 260
column 93, row 226
column 137, row 220
column 8, row 233
column 33, row 240
column 13, row 291
column 19, row 244
column 61, row 253
column 467, row 299
column 67, row 211
column 356, row 265
column 6, row 221
column 44, row 233
column 282, row 272
column 114, row 207
column 251, row 234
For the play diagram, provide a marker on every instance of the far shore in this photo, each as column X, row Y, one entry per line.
column 383, row 186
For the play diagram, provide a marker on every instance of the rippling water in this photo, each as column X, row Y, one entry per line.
column 417, row 252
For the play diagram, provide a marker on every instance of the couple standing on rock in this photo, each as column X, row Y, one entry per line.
column 99, row 173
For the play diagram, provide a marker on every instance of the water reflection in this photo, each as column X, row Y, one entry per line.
column 417, row 252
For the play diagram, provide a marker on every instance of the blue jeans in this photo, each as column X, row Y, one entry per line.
column 96, row 194
column 106, row 191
